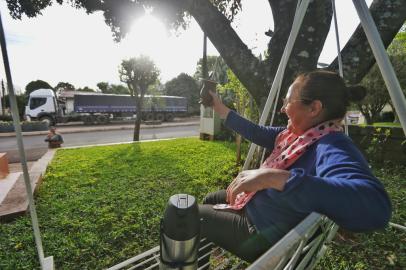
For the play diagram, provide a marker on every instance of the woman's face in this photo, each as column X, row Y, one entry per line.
column 299, row 114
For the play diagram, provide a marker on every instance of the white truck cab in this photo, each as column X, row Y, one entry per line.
column 42, row 105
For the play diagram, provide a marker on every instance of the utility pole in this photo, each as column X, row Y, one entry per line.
column 205, row 74
column 3, row 100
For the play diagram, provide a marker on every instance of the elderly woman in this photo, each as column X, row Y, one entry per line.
column 313, row 167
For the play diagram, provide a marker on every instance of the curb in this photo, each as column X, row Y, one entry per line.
column 64, row 130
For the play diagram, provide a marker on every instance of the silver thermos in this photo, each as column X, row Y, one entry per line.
column 179, row 236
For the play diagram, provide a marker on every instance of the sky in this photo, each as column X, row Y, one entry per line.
column 68, row 45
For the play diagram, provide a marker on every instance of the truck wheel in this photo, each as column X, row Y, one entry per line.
column 160, row 117
column 169, row 117
column 101, row 119
column 149, row 117
column 87, row 119
column 48, row 120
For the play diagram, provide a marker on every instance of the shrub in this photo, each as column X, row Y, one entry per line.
column 25, row 126
column 6, row 118
column 387, row 117
column 6, row 126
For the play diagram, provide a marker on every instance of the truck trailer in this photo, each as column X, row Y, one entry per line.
column 98, row 108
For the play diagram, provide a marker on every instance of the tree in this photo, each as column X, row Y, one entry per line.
column 86, row 89
column 103, row 87
column 241, row 100
column 117, row 89
column 156, row 88
column 21, row 103
column 64, row 86
column 138, row 73
column 215, row 66
column 377, row 94
column 35, row 85
column 185, row 86
column 214, row 18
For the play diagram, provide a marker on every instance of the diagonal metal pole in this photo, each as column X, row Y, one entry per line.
column 382, row 59
column 340, row 61
column 17, row 126
column 277, row 82
column 385, row 66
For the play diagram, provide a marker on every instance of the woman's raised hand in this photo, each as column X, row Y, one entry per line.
column 218, row 106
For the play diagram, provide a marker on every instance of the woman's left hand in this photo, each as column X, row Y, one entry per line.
column 256, row 180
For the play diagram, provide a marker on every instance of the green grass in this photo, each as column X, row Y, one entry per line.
column 387, row 124
column 383, row 124
column 100, row 206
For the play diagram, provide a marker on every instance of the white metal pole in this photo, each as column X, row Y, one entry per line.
column 277, row 82
column 340, row 61
column 17, row 127
column 382, row 59
column 339, row 58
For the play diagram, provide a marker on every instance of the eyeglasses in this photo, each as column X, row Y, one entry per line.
column 286, row 101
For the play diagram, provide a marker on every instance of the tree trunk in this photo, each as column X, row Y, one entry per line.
column 138, row 104
column 365, row 113
column 257, row 76
column 396, row 117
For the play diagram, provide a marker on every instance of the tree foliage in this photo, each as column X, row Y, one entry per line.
column 64, row 86
column 86, row 89
column 214, row 18
column 117, row 89
column 138, row 73
column 236, row 96
column 377, row 94
column 156, row 88
column 35, row 85
column 185, row 86
column 216, row 67
column 21, row 103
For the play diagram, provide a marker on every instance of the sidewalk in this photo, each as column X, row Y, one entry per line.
column 64, row 129
column 13, row 194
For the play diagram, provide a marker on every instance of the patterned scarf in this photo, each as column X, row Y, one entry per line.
column 288, row 148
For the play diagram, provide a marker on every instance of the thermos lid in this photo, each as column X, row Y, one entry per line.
column 181, row 217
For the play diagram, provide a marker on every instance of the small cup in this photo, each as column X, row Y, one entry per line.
column 205, row 98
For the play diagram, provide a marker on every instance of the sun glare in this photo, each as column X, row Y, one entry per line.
column 147, row 36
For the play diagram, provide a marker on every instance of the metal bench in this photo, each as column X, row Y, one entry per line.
column 301, row 248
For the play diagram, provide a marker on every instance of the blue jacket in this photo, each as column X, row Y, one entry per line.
column 331, row 178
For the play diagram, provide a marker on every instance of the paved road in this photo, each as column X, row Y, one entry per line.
column 36, row 147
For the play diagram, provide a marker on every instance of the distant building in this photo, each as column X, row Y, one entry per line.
column 355, row 118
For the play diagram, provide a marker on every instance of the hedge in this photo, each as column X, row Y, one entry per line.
column 25, row 126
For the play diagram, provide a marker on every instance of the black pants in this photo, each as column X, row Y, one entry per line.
column 231, row 229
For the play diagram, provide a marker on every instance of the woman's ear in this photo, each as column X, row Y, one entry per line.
column 316, row 108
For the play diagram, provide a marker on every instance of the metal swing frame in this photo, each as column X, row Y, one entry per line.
column 305, row 244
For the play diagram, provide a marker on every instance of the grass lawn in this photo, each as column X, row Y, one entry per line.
column 102, row 205
column 99, row 206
